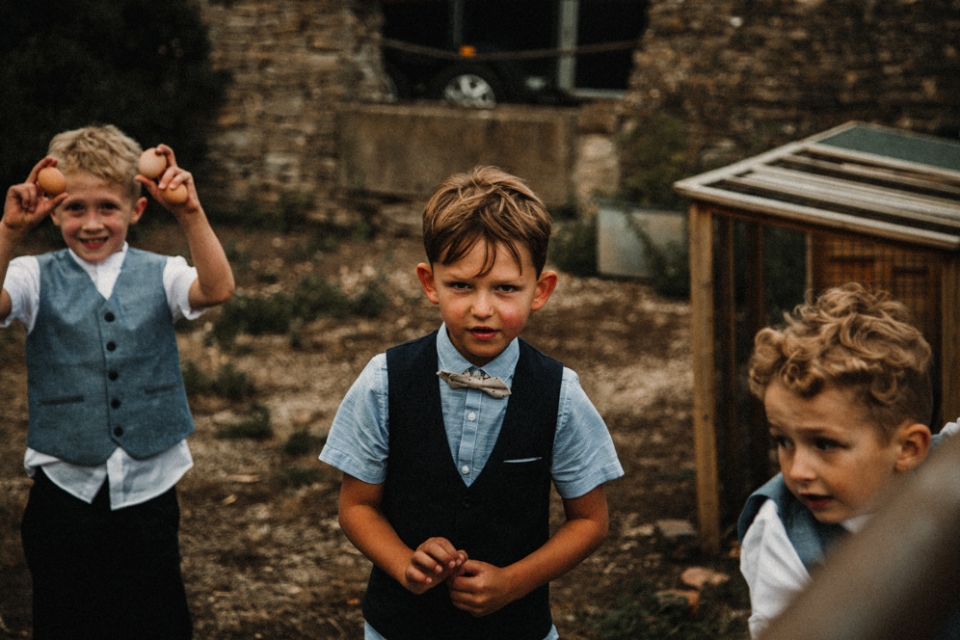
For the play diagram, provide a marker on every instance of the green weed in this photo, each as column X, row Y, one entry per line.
column 573, row 248
column 645, row 614
column 256, row 427
column 301, row 443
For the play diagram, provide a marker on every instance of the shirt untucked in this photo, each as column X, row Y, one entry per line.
column 131, row 481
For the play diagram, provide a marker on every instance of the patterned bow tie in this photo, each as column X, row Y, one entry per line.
column 491, row 386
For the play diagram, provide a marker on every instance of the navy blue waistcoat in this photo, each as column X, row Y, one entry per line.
column 104, row 373
column 501, row 518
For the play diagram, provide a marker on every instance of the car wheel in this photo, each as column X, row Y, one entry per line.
column 468, row 86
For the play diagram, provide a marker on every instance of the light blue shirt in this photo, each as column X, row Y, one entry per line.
column 358, row 443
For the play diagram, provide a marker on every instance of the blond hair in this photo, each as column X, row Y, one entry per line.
column 850, row 338
column 486, row 204
column 102, row 151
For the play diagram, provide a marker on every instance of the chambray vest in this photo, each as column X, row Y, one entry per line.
column 809, row 537
column 104, row 373
column 501, row 518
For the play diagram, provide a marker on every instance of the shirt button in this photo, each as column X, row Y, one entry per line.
column 118, row 431
column 471, row 416
column 465, row 469
column 115, row 403
column 109, row 317
column 111, row 346
column 113, row 375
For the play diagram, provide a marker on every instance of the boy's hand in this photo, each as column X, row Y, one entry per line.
column 480, row 588
column 26, row 206
column 170, row 181
column 432, row 562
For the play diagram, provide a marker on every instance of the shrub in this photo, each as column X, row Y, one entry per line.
column 645, row 614
column 256, row 427
column 301, row 443
column 230, row 382
column 143, row 66
column 573, row 248
column 653, row 156
column 300, row 476
column 669, row 262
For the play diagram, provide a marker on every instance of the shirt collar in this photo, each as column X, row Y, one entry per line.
column 501, row 367
column 111, row 262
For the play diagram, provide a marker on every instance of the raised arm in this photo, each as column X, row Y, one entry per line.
column 481, row 588
column 25, row 207
column 214, row 284
column 368, row 529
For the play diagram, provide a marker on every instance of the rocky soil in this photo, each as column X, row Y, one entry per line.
column 263, row 556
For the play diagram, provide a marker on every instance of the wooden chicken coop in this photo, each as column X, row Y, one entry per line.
column 859, row 203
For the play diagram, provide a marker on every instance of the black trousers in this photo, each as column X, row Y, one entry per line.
column 102, row 574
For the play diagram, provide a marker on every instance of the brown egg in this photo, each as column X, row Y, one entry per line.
column 152, row 165
column 51, row 180
column 176, row 195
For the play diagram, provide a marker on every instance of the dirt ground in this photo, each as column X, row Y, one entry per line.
column 263, row 559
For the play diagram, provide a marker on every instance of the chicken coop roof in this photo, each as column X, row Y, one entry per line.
column 857, row 177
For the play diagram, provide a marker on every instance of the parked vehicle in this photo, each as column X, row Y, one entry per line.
column 482, row 52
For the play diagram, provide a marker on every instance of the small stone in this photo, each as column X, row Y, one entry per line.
column 675, row 529
column 696, row 577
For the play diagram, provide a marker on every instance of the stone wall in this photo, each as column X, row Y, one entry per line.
column 749, row 75
column 293, row 63
column 744, row 76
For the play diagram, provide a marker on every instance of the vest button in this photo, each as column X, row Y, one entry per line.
column 113, row 375
column 111, row 346
column 109, row 317
column 115, row 403
column 118, row 431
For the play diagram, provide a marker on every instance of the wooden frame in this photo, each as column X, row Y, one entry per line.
column 817, row 187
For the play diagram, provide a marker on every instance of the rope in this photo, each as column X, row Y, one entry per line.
column 529, row 54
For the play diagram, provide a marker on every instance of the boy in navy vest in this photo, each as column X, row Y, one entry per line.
column 449, row 443
column 107, row 407
column 848, row 397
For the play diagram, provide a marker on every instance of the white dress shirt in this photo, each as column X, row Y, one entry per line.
column 131, row 481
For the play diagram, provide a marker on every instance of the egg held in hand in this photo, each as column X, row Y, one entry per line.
column 151, row 164
column 51, row 180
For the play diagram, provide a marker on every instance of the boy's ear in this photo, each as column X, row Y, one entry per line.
column 546, row 283
column 914, row 441
column 425, row 274
column 138, row 208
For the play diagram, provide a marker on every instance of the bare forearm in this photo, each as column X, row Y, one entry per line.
column 573, row 542
column 372, row 535
column 215, row 283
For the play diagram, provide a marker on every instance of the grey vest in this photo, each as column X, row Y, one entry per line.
column 104, row 373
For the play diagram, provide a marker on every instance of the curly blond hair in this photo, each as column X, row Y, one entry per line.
column 102, row 151
column 486, row 204
column 851, row 338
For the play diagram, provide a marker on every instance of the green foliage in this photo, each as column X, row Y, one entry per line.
column 669, row 262
column 645, row 614
column 314, row 297
column 230, row 382
column 140, row 65
column 254, row 315
column 653, row 156
column 256, row 427
column 301, row 443
column 370, row 302
column 300, row 476
column 573, row 248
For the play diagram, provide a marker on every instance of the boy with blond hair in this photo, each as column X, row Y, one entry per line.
column 848, row 397
column 107, row 407
column 448, row 443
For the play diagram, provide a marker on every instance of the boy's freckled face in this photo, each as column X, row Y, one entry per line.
column 484, row 313
column 95, row 216
column 832, row 458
